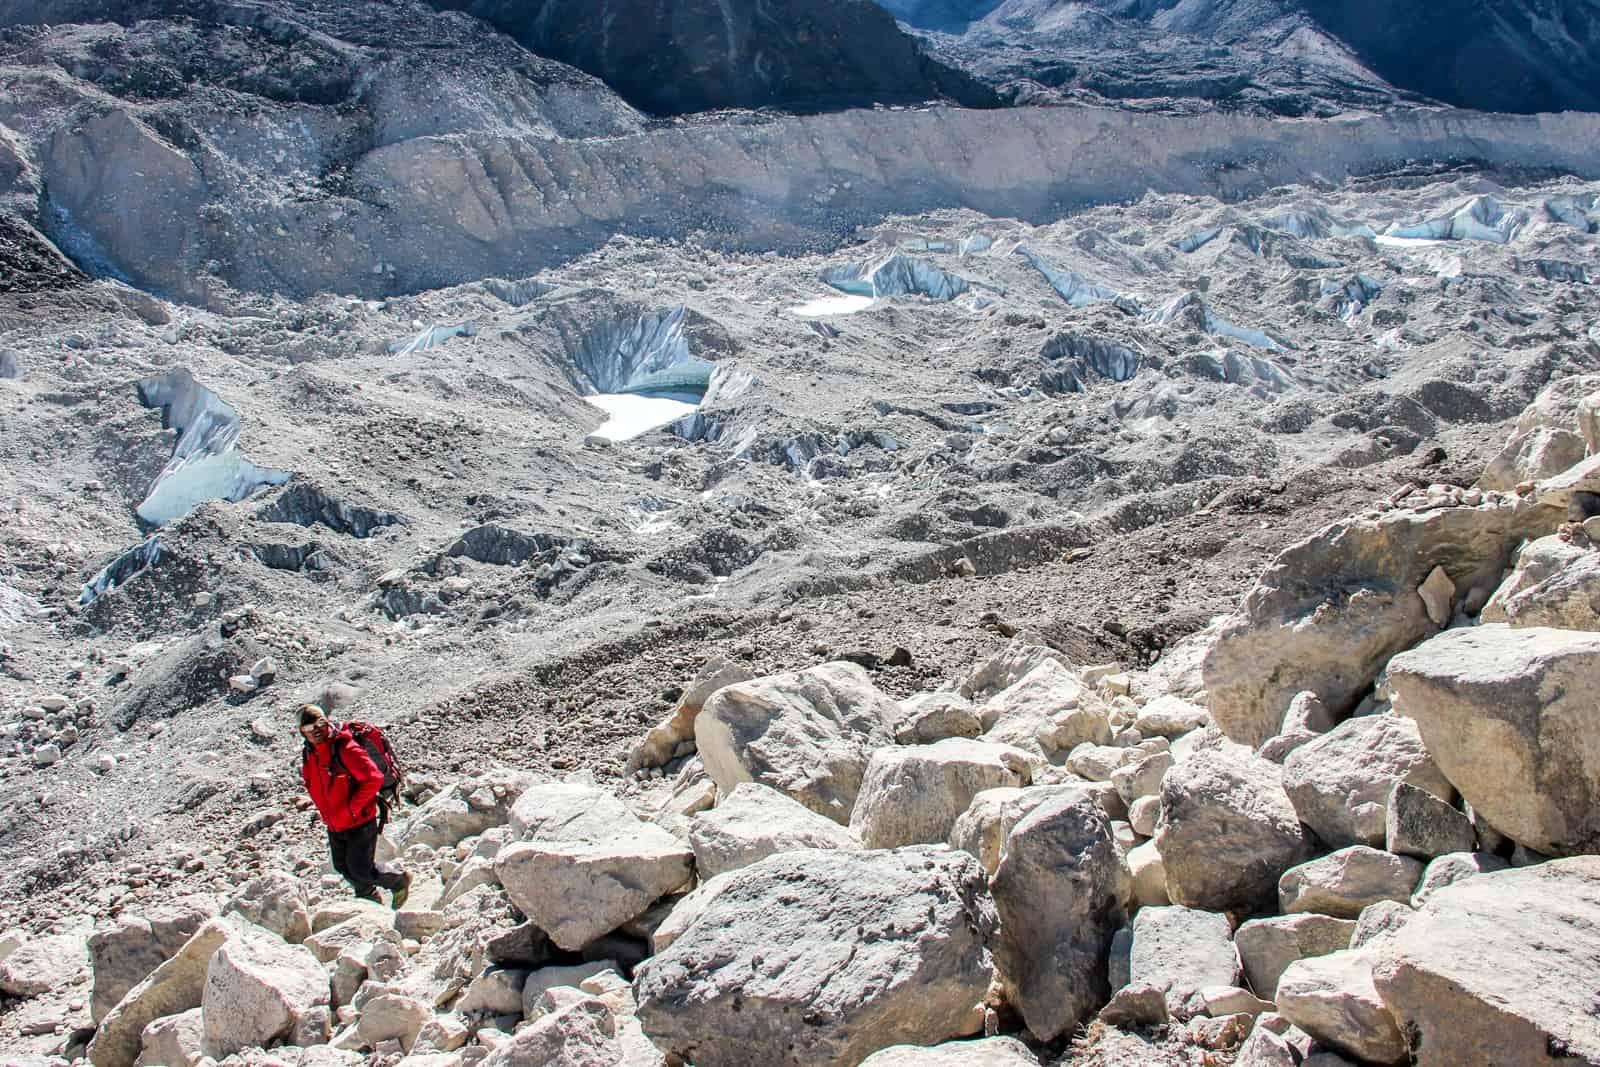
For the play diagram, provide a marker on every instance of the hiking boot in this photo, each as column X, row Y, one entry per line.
column 371, row 894
column 398, row 900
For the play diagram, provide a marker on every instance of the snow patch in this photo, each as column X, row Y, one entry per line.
column 631, row 415
column 832, row 305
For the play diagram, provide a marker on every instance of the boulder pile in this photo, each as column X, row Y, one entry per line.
column 1358, row 828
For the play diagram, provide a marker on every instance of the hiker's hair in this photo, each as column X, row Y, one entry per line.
column 310, row 713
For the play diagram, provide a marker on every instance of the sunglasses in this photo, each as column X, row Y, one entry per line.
column 316, row 724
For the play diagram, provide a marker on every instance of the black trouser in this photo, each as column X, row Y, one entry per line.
column 352, row 852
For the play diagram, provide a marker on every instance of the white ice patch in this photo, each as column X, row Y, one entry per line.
column 1073, row 287
column 1388, row 240
column 189, row 482
column 832, row 305
column 432, row 337
column 631, row 415
column 1479, row 219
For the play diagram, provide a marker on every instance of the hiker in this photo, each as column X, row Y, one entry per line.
column 344, row 783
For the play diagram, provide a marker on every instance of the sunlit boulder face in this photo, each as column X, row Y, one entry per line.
column 206, row 464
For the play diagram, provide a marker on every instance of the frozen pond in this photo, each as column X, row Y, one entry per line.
column 631, row 414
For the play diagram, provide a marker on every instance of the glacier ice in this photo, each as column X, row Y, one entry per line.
column 1575, row 211
column 1077, row 358
column 1073, row 287
column 432, row 337
column 896, row 275
column 517, row 293
column 1190, row 310
column 1225, row 365
column 619, row 353
column 9, row 367
column 1347, row 299
column 306, row 505
column 206, row 464
column 126, row 565
column 1313, row 223
column 1479, row 219
column 1196, row 241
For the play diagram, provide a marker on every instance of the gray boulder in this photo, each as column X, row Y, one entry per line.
column 1170, row 717
column 176, row 986
column 581, row 1032
column 1227, row 830
column 807, row 734
column 1340, row 782
column 929, row 717
column 258, row 987
column 1059, row 888
column 1448, row 870
column 1331, row 610
column 584, row 864
column 987, row 1052
column 173, row 1041
column 1048, row 711
column 464, row 810
column 1568, row 598
column 1344, row 882
column 275, row 900
column 810, row 959
column 913, row 795
column 1533, row 564
column 124, row 955
column 1267, row 946
column 667, row 737
column 1419, row 824
column 1500, row 968
column 1508, row 715
column 755, row 822
column 1182, row 951
column 1333, row 999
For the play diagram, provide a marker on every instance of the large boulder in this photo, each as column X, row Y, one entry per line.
column 988, row 1052
column 814, row 958
column 1342, row 883
column 1181, row 951
column 579, row 1033
column 913, row 795
column 44, row 965
column 1500, row 968
column 173, row 1041
column 1340, row 782
column 1059, row 888
column 1227, row 830
column 1568, row 599
column 176, row 986
column 1453, row 868
column 755, row 822
column 124, row 955
column 808, row 734
column 1509, row 716
column 667, row 738
column 275, row 900
column 1007, row 667
column 1533, row 564
column 1420, row 824
column 982, row 829
column 1331, row 610
column 1546, row 439
column 584, row 864
column 1048, row 711
column 929, row 717
column 1333, row 999
column 258, row 986
column 464, row 810
column 1267, row 946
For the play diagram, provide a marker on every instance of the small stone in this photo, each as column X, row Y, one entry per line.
column 1143, row 814
column 1136, row 1005
column 54, row 702
column 1438, row 596
column 264, row 671
column 46, row 754
column 242, row 683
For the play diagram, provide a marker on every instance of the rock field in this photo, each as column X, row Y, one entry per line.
column 1075, row 585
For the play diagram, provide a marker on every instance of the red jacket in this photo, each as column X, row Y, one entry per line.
column 347, row 798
